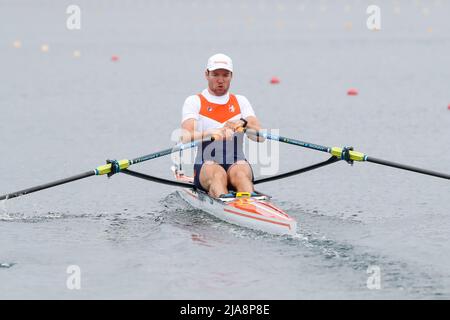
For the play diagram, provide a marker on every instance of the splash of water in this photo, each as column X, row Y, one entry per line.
column 4, row 211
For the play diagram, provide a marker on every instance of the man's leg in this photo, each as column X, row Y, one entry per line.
column 213, row 178
column 240, row 176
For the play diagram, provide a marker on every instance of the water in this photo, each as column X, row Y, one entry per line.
column 61, row 115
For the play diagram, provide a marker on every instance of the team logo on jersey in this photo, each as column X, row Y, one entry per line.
column 231, row 108
column 210, row 109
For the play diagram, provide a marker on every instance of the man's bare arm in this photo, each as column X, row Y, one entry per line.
column 253, row 124
column 190, row 133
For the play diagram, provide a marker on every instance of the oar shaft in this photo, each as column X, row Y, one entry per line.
column 407, row 167
column 124, row 164
column 352, row 155
column 166, row 152
column 47, row 185
column 105, row 169
column 288, row 140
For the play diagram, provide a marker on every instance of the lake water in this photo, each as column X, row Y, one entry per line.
column 62, row 114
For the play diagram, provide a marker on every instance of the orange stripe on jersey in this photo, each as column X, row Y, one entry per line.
column 219, row 112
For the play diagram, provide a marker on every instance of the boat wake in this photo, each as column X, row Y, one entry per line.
column 318, row 236
column 397, row 276
column 3, row 210
column 36, row 217
column 177, row 212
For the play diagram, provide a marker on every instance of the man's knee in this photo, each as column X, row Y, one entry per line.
column 239, row 175
column 219, row 175
column 214, row 173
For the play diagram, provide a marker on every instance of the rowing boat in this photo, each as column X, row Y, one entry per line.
column 254, row 211
column 248, row 210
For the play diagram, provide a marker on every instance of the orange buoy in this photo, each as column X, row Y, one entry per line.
column 115, row 58
column 448, row 107
column 17, row 44
column 352, row 92
column 275, row 80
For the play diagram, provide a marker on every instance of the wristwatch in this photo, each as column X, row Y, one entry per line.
column 245, row 122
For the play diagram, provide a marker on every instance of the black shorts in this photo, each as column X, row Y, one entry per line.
column 198, row 167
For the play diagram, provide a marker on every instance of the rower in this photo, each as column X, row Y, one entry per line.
column 220, row 165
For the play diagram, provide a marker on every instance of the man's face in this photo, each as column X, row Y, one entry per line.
column 218, row 81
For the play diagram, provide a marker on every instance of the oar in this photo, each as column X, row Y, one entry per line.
column 346, row 153
column 110, row 168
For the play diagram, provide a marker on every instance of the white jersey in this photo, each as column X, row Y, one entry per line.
column 211, row 112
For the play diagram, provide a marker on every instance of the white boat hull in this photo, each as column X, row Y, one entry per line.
column 252, row 212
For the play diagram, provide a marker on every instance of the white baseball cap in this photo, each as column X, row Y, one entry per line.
column 219, row 61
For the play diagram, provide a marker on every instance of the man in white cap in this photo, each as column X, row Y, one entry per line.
column 221, row 164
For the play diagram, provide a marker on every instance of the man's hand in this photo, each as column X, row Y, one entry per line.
column 234, row 125
column 224, row 133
